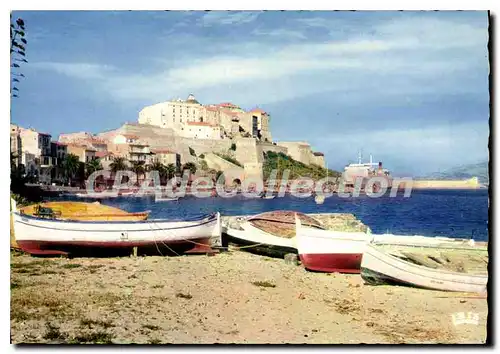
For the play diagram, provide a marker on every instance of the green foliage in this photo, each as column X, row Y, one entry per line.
column 71, row 166
column 202, row 156
column 192, row 152
column 92, row 166
column 218, row 174
column 233, row 147
column 18, row 44
column 171, row 169
column 160, row 168
column 281, row 162
column 204, row 165
column 118, row 164
column 190, row 166
column 17, row 181
column 230, row 159
column 138, row 168
column 20, row 200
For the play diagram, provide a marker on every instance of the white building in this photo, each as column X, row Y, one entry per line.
column 33, row 150
column 173, row 113
column 200, row 130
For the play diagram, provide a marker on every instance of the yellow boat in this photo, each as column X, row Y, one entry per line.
column 83, row 211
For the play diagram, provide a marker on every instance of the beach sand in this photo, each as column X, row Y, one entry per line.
column 232, row 297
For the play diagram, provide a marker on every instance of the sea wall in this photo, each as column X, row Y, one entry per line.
column 472, row 183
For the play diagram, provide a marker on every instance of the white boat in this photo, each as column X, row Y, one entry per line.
column 98, row 195
column 166, row 199
column 337, row 251
column 422, row 241
column 319, row 199
column 379, row 267
column 274, row 230
column 330, row 251
column 249, row 234
column 48, row 236
column 268, row 196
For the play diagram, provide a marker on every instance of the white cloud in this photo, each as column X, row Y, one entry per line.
column 84, row 71
column 228, row 18
column 405, row 58
column 279, row 33
column 315, row 22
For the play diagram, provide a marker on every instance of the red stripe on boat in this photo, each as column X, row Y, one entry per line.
column 332, row 262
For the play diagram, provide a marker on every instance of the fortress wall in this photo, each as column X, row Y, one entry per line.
column 200, row 146
column 165, row 138
column 298, row 150
column 318, row 160
column 253, row 170
column 246, row 151
column 220, row 164
column 265, row 147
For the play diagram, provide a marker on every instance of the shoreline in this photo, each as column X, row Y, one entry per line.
column 233, row 297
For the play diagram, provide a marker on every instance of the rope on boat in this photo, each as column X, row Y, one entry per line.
column 163, row 243
column 200, row 244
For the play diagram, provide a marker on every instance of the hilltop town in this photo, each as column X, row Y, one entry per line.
column 207, row 139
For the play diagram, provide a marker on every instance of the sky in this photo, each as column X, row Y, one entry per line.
column 410, row 88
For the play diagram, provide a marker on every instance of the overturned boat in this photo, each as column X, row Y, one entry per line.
column 270, row 232
column 47, row 236
column 380, row 266
column 330, row 251
column 342, row 251
column 69, row 210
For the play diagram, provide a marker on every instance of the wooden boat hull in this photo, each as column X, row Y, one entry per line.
column 53, row 248
column 87, row 211
column 330, row 251
column 378, row 267
column 332, row 262
column 334, row 251
column 251, row 235
column 45, row 236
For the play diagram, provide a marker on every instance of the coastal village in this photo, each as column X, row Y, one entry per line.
column 177, row 133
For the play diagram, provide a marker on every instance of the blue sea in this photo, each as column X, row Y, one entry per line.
column 451, row 213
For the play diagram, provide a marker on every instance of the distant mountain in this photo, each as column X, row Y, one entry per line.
column 479, row 170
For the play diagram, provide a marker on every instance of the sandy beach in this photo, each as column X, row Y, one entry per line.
column 232, row 297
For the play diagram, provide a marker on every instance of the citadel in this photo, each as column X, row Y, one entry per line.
column 176, row 131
